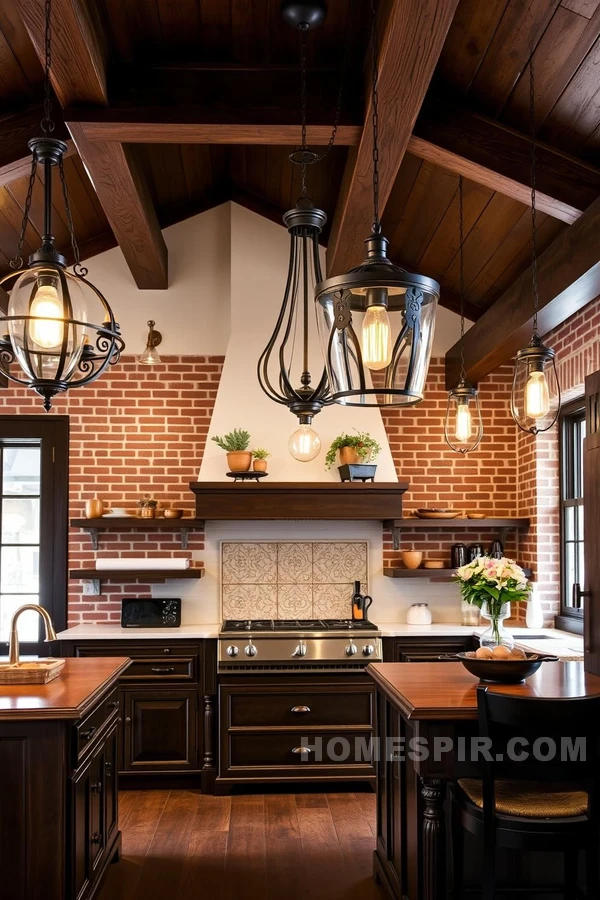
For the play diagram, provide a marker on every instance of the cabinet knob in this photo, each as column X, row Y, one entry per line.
column 96, row 838
column 166, row 650
column 96, row 787
column 128, row 720
column 108, row 769
column 86, row 735
column 113, row 704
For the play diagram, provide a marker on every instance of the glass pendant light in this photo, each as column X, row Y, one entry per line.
column 150, row 356
column 535, row 395
column 50, row 310
column 376, row 322
column 463, row 428
column 284, row 365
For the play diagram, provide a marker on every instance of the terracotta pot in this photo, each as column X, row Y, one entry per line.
column 94, row 508
column 259, row 465
column 147, row 512
column 172, row 513
column 239, row 460
column 412, row 559
column 349, row 457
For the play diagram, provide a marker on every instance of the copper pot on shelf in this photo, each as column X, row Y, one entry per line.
column 94, row 509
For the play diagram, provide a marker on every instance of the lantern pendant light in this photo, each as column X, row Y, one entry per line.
column 463, row 428
column 50, row 310
column 376, row 322
column 284, row 365
column 535, row 396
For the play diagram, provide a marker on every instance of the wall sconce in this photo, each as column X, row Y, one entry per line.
column 150, row 355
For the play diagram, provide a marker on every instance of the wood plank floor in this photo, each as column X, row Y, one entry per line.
column 183, row 845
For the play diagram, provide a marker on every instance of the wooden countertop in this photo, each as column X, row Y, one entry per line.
column 446, row 691
column 69, row 696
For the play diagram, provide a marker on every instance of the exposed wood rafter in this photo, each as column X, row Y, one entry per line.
column 568, row 279
column 411, row 37
column 79, row 77
column 16, row 130
column 499, row 158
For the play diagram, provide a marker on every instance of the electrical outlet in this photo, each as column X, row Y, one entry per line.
column 91, row 588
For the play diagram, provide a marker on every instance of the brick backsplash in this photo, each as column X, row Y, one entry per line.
column 136, row 430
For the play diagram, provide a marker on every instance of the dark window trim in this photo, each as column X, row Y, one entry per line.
column 54, row 433
column 569, row 619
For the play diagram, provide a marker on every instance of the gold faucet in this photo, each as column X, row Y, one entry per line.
column 13, row 645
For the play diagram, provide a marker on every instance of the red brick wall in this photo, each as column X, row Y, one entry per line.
column 136, row 430
column 481, row 481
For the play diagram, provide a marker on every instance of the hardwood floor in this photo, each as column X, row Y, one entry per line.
column 182, row 845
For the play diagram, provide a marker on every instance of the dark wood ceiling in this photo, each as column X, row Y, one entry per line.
column 215, row 53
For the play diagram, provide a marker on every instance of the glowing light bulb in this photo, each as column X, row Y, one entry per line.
column 537, row 396
column 464, row 426
column 46, row 330
column 376, row 338
column 304, row 444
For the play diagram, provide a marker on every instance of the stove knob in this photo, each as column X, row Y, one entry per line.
column 232, row 650
column 351, row 649
column 300, row 650
column 250, row 650
column 368, row 650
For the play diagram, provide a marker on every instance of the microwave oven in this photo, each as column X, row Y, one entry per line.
column 150, row 612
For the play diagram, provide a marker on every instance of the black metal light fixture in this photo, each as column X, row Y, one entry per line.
column 50, row 310
column 535, row 396
column 150, row 356
column 284, row 366
column 376, row 322
column 463, row 428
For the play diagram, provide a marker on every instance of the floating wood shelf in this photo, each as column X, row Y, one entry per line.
column 429, row 573
column 452, row 524
column 133, row 575
column 95, row 526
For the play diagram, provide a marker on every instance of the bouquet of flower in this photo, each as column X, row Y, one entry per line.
column 493, row 582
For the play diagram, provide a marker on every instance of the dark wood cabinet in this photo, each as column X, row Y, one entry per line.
column 424, row 649
column 168, row 701
column 285, row 728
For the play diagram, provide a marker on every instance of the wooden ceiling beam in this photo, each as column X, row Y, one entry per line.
column 499, row 158
column 411, row 37
column 568, row 279
column 16, row 131
column 78, row 75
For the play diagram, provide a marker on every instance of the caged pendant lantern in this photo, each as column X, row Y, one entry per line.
column 535, row 396
column 463, row 427
column 50, row 310
column 284, row 365
column 376, row 322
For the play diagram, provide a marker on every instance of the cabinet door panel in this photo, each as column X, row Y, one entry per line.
column 81, row 830
column 161, row 731
column 111, row 763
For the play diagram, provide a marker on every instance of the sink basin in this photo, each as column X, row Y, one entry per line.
column 39, row 671
column 531, row 637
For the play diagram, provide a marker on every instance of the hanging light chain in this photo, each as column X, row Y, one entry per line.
column 461, row 255
column 47, row 124
column 17, row 261
column 303, row 102
column 375, row 116
column 77, row 267
column 534, row 280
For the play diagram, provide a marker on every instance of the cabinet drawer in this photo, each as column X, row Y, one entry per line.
column 299, row 708
column 159, row 662
column 89, row 729
column 159, row 669
column 251, row 751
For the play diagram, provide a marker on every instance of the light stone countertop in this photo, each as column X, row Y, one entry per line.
column 115, row 632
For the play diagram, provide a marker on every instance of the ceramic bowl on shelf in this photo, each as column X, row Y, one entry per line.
column 434, row 564
column 438, row 513
column 475, row 515
column 173, row 513
column 412, row 558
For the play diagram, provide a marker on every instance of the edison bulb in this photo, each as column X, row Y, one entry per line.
column 304, row 444
column 463, row 426
column 537, row 396
column 46, row 329
column 376, row 338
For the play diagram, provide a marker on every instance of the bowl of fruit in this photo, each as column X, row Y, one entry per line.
column 501, row 665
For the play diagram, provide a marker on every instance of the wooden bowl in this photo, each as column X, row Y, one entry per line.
column 412, row 558
column 504, row 671
column 434, row 564
column 173, row 513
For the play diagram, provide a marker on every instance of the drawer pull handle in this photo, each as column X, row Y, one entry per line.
column 162, row 670
column 96, row 838
column 299, row 750
column 113, row 704
column 300, row 709
column 166, row 650
column 108, row 769
column 86, row 735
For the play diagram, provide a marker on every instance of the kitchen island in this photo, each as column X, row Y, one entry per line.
column 435, row 703
column 58, row 782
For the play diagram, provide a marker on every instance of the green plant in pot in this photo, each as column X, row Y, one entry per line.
column 147, row 507
column 353, row 449
column 235, row 444
column 260, row 456
column 492, row 585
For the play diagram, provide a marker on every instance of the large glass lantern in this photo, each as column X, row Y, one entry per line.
column 535, row 396
column 376, row 324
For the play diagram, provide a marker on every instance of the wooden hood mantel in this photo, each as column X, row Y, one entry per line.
column 245, row 501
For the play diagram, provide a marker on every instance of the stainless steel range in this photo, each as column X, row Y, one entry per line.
column 297, row 645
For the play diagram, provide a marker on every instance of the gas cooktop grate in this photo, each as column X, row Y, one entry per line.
column 266, row 625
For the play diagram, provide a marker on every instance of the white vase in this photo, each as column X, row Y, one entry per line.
column 534, row 617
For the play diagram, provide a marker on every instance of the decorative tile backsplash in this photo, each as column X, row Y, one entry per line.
column 291, row 579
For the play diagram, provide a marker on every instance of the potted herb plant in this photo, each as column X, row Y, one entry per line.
column 260, row 456
column 236, row 444
column 492, row 584
column 353, row 449
column 147, row 507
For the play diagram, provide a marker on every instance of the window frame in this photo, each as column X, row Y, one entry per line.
column 569, row 619
column 53, row 432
